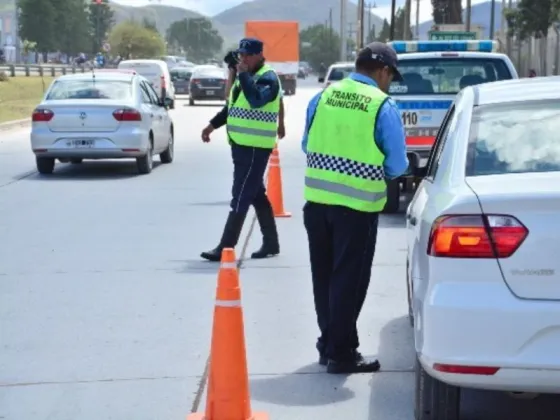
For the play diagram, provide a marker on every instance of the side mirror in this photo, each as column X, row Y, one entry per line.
column 166, row 102
column 321, row 80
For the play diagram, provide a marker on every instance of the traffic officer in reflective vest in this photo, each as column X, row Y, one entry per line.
column 251, row 116
column 354, row 141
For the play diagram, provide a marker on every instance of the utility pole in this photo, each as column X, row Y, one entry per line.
column 406, row 23
column 360, row 31
column 343, row 34
column 331, row 47
column 393, row 10
column 369, row 23
column 417, row 28
column 468, row 13
column 492, row 18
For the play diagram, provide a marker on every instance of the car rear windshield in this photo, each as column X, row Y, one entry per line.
column 90, row 89
column 209, row 73
column 181, row 75
column 518, row 137
column 446, row 75
column 339, row 73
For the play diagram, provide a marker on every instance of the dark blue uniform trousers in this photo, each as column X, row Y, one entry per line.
column 341, row 248
column 249, row 166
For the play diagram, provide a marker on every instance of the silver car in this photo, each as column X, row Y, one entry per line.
column 101, row 116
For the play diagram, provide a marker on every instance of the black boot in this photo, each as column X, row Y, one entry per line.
column 232, row 230
column 270, row 246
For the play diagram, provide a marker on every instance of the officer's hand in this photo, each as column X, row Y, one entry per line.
column 206, row 133
column 242, row 67
column 281, row 131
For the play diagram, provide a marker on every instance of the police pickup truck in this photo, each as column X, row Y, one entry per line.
column 434, row 72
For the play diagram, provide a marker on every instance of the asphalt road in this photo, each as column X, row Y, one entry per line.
column 106, row 308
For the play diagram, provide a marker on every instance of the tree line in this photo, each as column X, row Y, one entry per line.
column 85, row 26
column 321, row 44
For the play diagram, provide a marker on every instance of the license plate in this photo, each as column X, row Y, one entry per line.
column 81, row 144
column 209, row 92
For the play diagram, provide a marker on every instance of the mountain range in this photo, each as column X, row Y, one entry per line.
column 230, row 23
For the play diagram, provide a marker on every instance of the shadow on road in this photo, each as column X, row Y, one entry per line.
column 89, row 171
column 301, row 388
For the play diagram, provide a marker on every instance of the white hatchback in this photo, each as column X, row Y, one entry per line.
column 107, row 115
column 483, row 266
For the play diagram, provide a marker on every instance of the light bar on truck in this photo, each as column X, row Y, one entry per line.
column 403, row 47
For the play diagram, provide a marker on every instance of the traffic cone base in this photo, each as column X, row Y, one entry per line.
column 254, row 416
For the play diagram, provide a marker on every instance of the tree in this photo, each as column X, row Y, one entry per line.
column 101, row 19
column 447, row 11
column 132, row 40
column 37, row 23
column 371, row 35
column 150, row 24
column 72, row 32
column 533, row 18
column 399, row 25
column 385, row 32
column 319, row 44
column 196, row 37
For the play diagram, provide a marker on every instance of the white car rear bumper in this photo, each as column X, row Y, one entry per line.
column 484, row 324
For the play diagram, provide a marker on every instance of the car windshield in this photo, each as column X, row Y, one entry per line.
column 210, row 73
column 90, row 89
column 339, row 73
column 518, row 137
column 446, row 75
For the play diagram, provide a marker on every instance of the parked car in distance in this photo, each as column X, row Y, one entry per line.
column 181, row 78
column 483, row 273
column 107, row 115
column 208, row 83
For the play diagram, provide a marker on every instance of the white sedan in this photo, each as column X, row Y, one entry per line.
column 105, row 115
column 483, row 262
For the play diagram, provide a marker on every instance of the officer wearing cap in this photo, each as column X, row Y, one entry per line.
column 251, row 120
column 354, row 141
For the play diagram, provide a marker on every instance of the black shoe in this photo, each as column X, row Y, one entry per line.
column 267, row 223
column 232, row 231
column 358, row 365
column 324, row 360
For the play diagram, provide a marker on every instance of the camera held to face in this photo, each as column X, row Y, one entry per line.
column 232, row 59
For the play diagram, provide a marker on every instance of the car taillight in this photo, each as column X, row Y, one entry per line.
column 127, row 115
column 42, row 115
column 195, row 80
column 476, row 236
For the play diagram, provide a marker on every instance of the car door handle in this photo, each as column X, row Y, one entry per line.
column 412, row 220
column 152, row 115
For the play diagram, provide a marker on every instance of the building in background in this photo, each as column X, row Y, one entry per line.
column 8, row 30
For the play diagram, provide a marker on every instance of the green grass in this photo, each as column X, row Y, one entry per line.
column 20, row 95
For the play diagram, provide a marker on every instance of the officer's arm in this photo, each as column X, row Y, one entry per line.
column 220, row 118
column 311, row 108
column 390, row 138
column 281, row 112
column 259, row 92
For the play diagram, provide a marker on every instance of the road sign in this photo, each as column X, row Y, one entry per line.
column 451, row 36
column 106, row 47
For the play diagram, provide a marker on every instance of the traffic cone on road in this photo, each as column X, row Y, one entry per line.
column 274, row 185
column 228, row 380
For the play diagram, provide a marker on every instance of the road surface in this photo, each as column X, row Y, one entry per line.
column 106, row 308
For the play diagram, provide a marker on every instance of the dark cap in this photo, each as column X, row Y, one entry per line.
column 250, row 46
column 383, row 53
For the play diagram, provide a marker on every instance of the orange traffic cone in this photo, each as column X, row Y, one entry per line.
column 274, row 185
column 228, row 380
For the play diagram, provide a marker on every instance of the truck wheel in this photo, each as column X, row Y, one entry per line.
column 434, row 400
column 393, row 196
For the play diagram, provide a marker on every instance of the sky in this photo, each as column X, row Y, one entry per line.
column 213, row 7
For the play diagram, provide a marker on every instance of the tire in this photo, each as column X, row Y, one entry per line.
column 145, row 163
column 393, row 196
column 45, row 166
column 191, row 101
column 433, row 399
column 76, row 161
column 168, row 154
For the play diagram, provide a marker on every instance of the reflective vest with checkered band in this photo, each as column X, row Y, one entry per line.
column 247, row 126
column 344, row 164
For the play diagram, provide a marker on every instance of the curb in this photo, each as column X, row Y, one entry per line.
column 15, row 124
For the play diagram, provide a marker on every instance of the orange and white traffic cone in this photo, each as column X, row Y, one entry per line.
column 228, row 379
column 274, row 185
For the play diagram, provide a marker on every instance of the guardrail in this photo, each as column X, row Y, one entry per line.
column 30, row 70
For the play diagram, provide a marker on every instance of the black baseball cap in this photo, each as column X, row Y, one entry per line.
column 383, row 53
